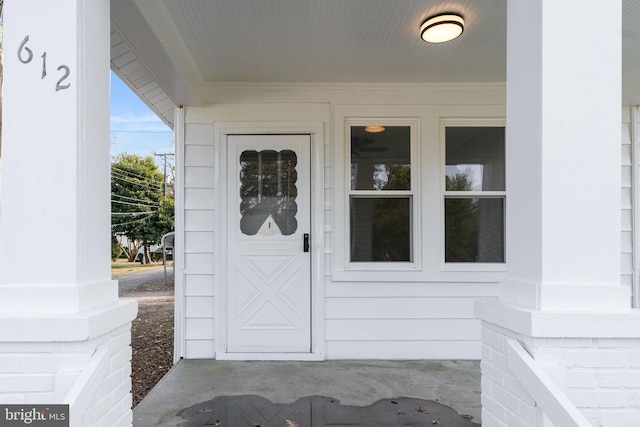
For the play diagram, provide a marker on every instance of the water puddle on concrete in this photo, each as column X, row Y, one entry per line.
column 316, row 411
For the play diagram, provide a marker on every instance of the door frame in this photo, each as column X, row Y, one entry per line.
column 315, row 131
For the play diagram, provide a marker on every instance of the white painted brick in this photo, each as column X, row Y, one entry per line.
column 624, row 418
column 485, row 351
column 126, row 420
column 592, row 415
column 500, row 361
column 619, row 379
column 551, row 356
column 12, row 399
column 597, row 359
column 491, row 372
column 114, row 379
column 19, row 347
column 56, row 362
column 493, row 406
column 63, row 383
column 514, row 386
column 556, row 343
column 487, row 418
column 12, row 363
column 98, row 409
column 506, row 399
column 581, row 379
column 618, row 343
column 514, row 420
column 528, row 412
column 600, row 398
column 123, row 357
column 41, row 398
column 121, row 390
column 119, row 341
column 493, row 340
column 633, row 358
column 25, row 383
column 486, row 385
column 498, row 423
column 111, row 417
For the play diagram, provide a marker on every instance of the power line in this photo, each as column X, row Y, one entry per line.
column 150, row 185
column 131, row 213
column 133, row 222
column 134, row 204
column 134, row 199
column 128, row 174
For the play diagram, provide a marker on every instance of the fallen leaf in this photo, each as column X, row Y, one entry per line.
column 204, row 411
column 394, row 402
column 258, row 425
column 291, row 423
column 435, row 422
column 422, row 410
column 399, row 413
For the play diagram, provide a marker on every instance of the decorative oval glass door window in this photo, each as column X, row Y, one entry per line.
column 268, row 192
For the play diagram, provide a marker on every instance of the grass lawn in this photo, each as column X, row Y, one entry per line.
column 121, row 267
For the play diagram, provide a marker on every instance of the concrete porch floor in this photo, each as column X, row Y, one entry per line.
column 191, row 385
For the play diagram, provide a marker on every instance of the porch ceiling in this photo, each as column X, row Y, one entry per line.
column 168, row 51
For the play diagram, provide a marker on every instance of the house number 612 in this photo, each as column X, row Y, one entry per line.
column 25, row 55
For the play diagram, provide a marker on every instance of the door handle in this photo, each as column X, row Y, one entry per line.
column 306, row 242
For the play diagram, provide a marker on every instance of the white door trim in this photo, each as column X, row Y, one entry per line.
column 316, row 132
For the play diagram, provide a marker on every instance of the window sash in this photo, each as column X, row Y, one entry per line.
column 410, row 233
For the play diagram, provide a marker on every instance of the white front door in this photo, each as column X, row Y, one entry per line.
column 269, row 277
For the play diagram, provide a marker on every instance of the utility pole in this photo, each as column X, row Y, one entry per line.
column 164, row 179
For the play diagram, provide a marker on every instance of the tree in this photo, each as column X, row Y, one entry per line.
column 139, row 211
column 461, row 221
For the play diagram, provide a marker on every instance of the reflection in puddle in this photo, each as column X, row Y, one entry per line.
column 316, row 411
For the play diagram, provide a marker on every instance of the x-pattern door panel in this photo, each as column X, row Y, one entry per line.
column 269, row 278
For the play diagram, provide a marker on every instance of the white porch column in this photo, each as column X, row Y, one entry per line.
column 562, row 297
column 60, row 316
column 563, row 158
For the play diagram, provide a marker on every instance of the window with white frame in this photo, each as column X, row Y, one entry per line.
column 474, row 193
column 381, row 193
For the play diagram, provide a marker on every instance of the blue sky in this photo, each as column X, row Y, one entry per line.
column 136, row 129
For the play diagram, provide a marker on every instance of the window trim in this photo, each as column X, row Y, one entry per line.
column 468, row 266
column 413, row 194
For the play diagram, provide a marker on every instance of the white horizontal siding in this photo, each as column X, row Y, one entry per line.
column 199, row 349
column 199, row 285
column 404, row 329
column 394, row 319
column 199, row 241
column 399, row 308
column 198, row 155
column 199, row 329
column 411, row 290
column 199, row 198
column 198, row 177
column 398, row 350
column 199, row 220
column 626, row 236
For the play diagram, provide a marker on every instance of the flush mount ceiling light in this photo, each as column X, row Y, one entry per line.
column 374, row 129
column 442, row 28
